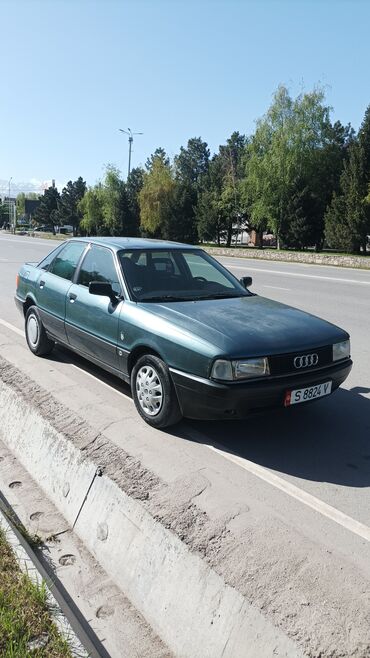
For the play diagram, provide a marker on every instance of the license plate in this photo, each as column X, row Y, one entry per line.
column 307, row 394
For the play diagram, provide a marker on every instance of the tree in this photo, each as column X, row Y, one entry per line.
column 282, row 151
column 114, row 200
column 46, row 213
column 191, row 165
column 180, row 220
column 20, row 204
column 21, row 201
column 349, row 229
column 190, row 171
column 133, row 187
column 221, row 193
column 91, row 209
column 156, row 196
column 337, row 232
column 68, row 206
column 159, row 154
column 211, row 222
column 4, row 213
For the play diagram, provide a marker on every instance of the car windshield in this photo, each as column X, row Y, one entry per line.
column 156, row 275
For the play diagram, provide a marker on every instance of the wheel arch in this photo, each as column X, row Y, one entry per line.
column 139, row 351
column 30, row 301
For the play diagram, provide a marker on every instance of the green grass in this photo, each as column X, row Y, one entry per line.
column 24, row 614
column 50, row 236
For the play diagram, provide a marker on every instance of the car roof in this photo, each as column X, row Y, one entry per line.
column 136, row 243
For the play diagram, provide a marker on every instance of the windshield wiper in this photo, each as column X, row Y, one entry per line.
column 191, row 298
column 166, row 298
column 222, row 295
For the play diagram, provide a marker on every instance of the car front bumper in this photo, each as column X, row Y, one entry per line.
column 208, row 400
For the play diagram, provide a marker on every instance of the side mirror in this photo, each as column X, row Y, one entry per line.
column 246, row 281
column 103, row 289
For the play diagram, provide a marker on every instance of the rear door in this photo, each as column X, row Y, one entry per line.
column 91, row 320
column 52, row 287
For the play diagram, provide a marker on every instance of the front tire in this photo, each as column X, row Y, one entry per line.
column 154, row 393
column 36, row 337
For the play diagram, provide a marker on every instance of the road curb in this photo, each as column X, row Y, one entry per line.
column 300, row 257
column 186, row 602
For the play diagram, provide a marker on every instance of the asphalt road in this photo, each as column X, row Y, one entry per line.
column 307, row 458
column 326, row 446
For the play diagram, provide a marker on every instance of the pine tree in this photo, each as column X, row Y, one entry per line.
column 353, row 223
column 68, row 211
column 47, row 211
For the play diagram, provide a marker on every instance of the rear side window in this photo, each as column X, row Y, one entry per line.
column 66, row 261
column 46, row 262
column 99, row 265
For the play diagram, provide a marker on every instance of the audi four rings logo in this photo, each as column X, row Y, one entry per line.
column 306, row 361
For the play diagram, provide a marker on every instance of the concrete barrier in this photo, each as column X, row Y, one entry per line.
column 310, row 257
column 89, row 479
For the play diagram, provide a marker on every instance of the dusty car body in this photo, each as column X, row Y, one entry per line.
column 189, row 338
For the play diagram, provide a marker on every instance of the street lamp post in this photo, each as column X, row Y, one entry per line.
column 130, row 140
column 9, row 211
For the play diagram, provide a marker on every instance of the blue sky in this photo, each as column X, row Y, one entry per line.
column 74, row 71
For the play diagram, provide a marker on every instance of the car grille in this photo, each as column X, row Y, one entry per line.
column 282, row 364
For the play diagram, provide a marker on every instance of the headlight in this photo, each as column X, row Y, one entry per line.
column 222, row 370
column 241, row 369
column 341, row 350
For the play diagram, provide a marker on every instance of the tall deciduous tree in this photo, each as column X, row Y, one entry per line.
column 114, row 201
column 283, row 149
column 91, row 208
column 21, row 201
column 156, row 196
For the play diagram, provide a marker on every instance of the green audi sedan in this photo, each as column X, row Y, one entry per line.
column 170, row 320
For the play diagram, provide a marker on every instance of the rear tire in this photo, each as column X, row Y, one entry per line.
column 36, row 337
column 154, row 393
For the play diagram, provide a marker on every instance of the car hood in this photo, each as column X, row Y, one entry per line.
column 250, row 325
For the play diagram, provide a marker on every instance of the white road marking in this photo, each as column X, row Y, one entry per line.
column 275, row 287
column 111, row 388
column 30, row 241
column 264, row 474
column 305, row 276
column 290, row 489
column 20, row 332
column 6, row 324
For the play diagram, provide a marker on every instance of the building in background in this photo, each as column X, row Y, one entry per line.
column 30, row 206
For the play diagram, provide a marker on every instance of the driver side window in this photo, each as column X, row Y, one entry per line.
column 99, row 265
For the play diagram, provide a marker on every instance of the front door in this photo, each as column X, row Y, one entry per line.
column 52, row 287
column 91, row 320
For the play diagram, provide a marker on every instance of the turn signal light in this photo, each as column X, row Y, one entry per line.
column 17, row 281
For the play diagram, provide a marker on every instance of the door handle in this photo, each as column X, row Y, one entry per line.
column 42, row 283
column 72, row 297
